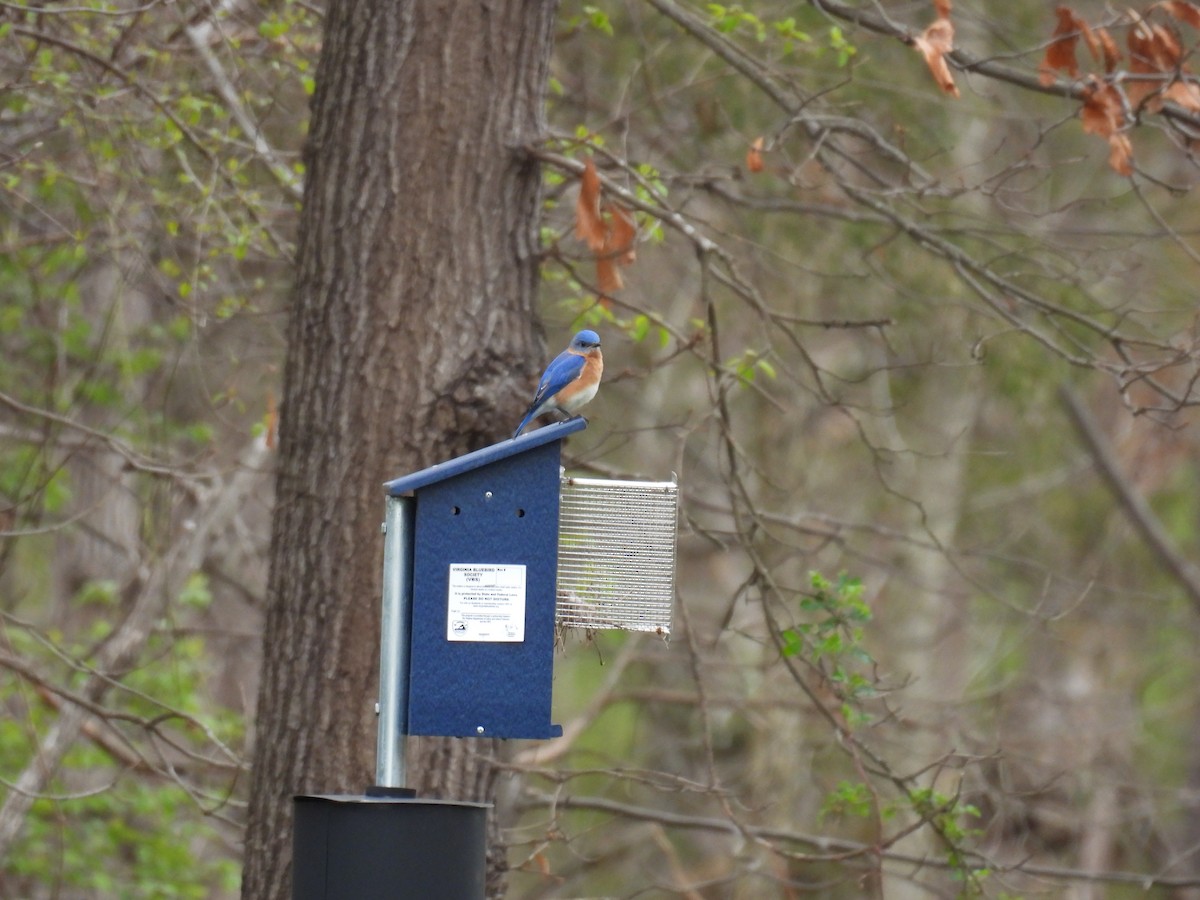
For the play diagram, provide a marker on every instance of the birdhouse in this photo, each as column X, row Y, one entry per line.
column 484, row 553
column 485, row 557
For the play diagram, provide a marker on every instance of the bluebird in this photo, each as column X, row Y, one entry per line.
column 570, row 380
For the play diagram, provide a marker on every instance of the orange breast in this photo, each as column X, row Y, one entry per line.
column 583, row 388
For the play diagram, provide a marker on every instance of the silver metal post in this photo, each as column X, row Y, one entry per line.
column 393, row 642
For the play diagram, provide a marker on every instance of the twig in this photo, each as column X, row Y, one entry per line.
column 198, row 36
column 1134, row 504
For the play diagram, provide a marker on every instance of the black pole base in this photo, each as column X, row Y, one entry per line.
column 349, row 847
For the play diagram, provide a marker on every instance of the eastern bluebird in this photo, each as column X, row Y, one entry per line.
column 570, row 380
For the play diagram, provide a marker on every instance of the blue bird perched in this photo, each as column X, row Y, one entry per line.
column 570, row 380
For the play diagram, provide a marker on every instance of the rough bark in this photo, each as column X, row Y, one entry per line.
column 410, row 342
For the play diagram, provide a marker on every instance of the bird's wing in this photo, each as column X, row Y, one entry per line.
column 565, row 368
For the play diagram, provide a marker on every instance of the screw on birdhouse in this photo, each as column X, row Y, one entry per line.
column 479, row 729
column 487, row 495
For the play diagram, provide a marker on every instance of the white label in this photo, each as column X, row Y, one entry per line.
column 486, row 603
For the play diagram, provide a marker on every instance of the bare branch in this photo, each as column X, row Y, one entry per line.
column 1185, row 573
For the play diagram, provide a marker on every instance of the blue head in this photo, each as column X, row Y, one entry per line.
column 584, row 341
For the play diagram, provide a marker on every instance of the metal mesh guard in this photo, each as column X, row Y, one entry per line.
column 616, row 554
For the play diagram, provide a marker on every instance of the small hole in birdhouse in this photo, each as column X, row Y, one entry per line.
column 454, row 510
column 520, row 513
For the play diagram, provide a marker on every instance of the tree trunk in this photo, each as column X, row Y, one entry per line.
column 410, row 341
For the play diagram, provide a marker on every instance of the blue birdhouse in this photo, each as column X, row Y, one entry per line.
column 476, row 652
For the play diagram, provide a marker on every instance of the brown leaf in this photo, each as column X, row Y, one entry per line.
column 1182, row 10
column 1108, row 50
column 934, row 43
column 608, row 229
column 1089, row 38
column 608, row 278
column 1103, row 114
column 622, row 232
column 1120, row 154
column 1184, row 93
column 754, row 160
column 1168, row 49
column 1060, row 55
column 1153, row 50
column 1157, row 50
column 589, row 224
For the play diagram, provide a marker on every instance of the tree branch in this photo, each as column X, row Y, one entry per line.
column 198, row 36
column 837, row 849
column 1134, row 505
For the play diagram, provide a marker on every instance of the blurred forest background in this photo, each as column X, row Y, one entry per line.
column 912, row 316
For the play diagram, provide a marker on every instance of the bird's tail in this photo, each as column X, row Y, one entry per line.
column 525, row 421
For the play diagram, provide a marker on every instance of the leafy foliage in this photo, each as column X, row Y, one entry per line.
column 147, row 186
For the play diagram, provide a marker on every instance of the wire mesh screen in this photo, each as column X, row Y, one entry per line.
column 616, row 554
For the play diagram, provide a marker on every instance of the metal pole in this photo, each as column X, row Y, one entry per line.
column 393, row 642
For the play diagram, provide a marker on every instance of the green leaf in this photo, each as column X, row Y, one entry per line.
column 598, row 19
column 845, row 50
column 792, row 642
column 98, row 592
column 195, row 592
column 273, row 28
column 848, row 798
column 640, row 328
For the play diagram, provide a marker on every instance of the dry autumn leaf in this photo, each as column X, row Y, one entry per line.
column 1183, row 11
column 608, row 229
column 1157, row 50
column 1185, row 94
column 589, row 224
column 1102, row 110
column 1089, row 38
column 622, row 232
column 754, row 160
column 1120, row 154
column 608, row 279
column 1104, row 115
column 1108, row 50
column 1060, row 55
column 618, row 249
column 934, row 43
column 1156, row 46
column 1153, row 51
